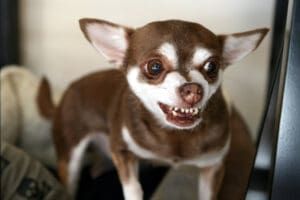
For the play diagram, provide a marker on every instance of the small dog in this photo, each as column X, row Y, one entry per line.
column 164, row 103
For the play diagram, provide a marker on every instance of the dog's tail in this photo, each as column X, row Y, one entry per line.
column 44, row 99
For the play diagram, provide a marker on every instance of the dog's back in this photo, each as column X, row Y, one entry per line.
column 84, row 110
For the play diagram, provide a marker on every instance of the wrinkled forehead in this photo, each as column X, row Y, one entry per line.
column 184, row 39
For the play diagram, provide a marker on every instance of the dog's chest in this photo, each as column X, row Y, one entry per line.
column 200, row 160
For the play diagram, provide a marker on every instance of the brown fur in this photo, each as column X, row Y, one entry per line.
column 103, row 102
column 168, row 144
column 239, row 160
column 44, row 100
column 97, row 113
column 184, row 35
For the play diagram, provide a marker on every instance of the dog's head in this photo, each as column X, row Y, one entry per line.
column 174, row 67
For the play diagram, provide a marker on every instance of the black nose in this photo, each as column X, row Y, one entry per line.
column 191, row 93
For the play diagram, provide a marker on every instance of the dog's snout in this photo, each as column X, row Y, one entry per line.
column 191, row 93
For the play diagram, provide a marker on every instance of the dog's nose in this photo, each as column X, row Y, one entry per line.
column 191, row 93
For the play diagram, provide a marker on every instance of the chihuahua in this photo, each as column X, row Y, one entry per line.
column 163, row 103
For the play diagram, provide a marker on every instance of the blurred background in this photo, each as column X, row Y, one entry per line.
column 53, row 46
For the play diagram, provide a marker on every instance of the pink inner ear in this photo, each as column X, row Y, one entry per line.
column 235, row 55
column 112, row 54
column 238, row 47
column 109, row 40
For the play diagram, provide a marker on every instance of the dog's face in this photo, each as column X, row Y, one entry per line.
column 173, row 67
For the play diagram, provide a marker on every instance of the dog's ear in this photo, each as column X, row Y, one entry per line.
column 109, row 39
column 238, row 45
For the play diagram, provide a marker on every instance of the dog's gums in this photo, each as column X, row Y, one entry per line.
column 180, row 116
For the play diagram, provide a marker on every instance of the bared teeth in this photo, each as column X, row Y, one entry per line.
column 180, row 112
column 175, row 111
column 195, row 111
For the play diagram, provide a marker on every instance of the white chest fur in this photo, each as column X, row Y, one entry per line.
column 203, row 160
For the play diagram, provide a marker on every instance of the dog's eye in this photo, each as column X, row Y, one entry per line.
column 154, row 67
column 211, row 68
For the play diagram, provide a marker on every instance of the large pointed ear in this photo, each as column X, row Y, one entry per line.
column 109, row 39
column 238, row 45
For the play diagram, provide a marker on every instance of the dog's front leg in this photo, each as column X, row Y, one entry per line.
column 127, row 167
column 210, row 181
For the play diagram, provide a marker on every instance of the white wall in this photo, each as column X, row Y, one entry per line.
column 52, row 43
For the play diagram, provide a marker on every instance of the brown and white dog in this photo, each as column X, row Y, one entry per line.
column 164, row 103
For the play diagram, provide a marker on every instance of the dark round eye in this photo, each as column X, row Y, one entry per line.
column 211, row 68
column 154, row 67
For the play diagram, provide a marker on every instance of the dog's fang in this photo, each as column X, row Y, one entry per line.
column 196, row 111
column 174, row 113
